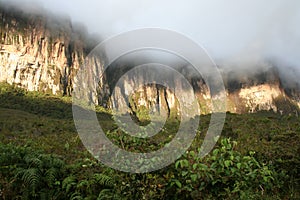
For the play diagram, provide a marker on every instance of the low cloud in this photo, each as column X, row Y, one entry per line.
column 247, row 36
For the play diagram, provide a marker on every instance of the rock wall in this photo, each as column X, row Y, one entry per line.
column 42, row 53
column 262, row 91
column 39, row 53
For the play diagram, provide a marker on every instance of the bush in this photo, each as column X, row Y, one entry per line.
column 223, row 174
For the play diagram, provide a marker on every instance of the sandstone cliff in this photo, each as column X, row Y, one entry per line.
column 252, row 93
column 43, row 53
column 39, row 52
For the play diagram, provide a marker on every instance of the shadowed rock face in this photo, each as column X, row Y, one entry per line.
column 263, row 91
column 44, row 53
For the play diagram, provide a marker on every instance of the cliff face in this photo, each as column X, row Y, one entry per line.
column 39, row 53
column 263, row 91
column 44, row 53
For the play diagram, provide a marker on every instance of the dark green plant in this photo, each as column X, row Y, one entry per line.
column 30, row 174
column 84, row 183
column 40, row 176
column 223, row 173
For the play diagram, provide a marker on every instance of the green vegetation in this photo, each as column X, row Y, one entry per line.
column 42, row 157
column 224, row 173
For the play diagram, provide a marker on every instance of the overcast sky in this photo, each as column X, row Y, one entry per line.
column 229, row 29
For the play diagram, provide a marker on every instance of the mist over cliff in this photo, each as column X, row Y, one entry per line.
column 40, row 51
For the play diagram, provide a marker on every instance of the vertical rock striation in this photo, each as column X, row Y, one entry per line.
column 43, row 53
column 38, row 52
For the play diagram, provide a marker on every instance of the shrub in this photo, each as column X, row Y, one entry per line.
column 223, row 174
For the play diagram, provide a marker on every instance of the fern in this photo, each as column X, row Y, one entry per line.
column 51, row 176
column 38, row 177
column 50, row 160
column 108, row 194
column 83, row 184
column 46, row 194
column 69, row 183
column 76, row 196
column 33, row 161
column 31, row 178
column 104, row 180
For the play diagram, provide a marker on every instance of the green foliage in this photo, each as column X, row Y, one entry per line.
column 31, row 175
column 84, row 183
column 224, row 173
column 34, row 127
column 273, row 137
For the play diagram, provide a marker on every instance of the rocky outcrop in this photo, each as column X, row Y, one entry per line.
column 39, row 52
column 44, row 53
column 262, row 91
